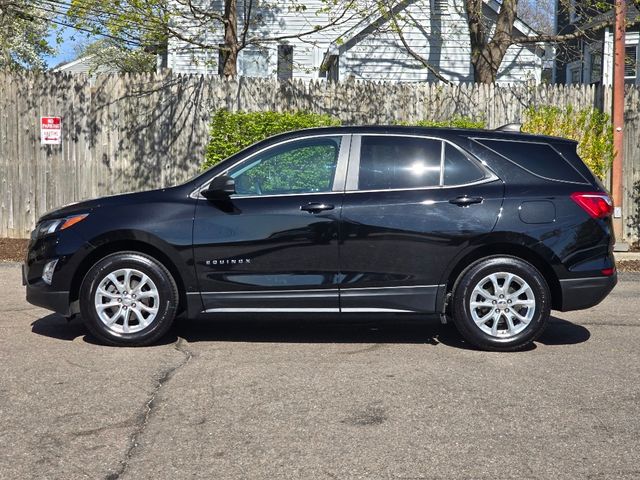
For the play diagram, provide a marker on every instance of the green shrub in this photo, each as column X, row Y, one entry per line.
column 231, row 132
column 591, row 128
column 456, row 122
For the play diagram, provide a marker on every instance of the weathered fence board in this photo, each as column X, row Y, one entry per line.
column 133, row 132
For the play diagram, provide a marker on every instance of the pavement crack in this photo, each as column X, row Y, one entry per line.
column 143, row 418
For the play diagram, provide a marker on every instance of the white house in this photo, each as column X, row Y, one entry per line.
column 82, row 65
column 589, row 60
column 364, row 48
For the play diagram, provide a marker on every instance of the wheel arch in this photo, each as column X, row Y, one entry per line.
column 513, row 250
column 108, row 247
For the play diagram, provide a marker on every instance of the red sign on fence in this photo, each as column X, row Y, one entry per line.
column 50, row 131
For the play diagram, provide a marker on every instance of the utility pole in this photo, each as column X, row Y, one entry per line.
column 618, row 122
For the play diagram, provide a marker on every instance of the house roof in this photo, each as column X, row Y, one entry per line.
column 371, row 22
column 520, row 25
column 632, row 16
column 63, row 67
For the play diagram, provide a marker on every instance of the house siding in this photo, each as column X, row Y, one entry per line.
column 307, row 53
column 371, row 53
column 576, row 55
column 443, row 40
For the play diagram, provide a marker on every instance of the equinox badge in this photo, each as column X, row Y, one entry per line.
column 228, row 261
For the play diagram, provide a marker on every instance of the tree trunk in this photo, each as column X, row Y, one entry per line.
column 487, row 56
column 483, row 72
column 230, row 51
column 486, row 61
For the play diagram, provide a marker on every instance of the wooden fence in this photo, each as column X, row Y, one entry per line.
column 131, row 132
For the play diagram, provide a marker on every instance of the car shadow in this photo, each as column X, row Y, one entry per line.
column 563, row 332
column 314, row 329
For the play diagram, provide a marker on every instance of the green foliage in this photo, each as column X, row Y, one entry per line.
column 455, row 122
column 133, row 23
column 23, row 36
column 109, row 54
column 231, row 132
column 589, row 127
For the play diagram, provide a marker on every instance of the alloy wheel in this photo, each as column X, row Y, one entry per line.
column 502, row 304
column 127, row 301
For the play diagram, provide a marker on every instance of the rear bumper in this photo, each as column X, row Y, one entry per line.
column 581, row 293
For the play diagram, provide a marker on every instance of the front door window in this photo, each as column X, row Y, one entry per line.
column 300, row 167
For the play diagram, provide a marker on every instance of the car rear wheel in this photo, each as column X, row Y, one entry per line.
column 501, row 303
column 128, row 298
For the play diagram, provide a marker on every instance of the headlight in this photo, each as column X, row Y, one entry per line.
column 51, row 226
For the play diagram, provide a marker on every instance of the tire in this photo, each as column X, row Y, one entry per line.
column 500, row 318
column 136, row 303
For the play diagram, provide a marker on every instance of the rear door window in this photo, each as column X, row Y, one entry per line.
column 538, row 158
column 397, row 162
column 394, row 162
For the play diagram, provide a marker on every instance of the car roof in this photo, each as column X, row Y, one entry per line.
column 414, row 130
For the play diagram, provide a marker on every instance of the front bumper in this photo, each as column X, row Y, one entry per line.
column 41, row 295
column 581, row 293
column 69, row 249
column 57, row 301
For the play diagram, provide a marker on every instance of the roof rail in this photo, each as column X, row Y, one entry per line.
column 510, row 127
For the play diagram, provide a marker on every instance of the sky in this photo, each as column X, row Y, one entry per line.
column 65, row 50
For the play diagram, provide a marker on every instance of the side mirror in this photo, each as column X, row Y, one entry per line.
column 220, row 188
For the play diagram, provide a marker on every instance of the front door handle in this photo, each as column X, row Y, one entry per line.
column 316, row 207
column 465, row 201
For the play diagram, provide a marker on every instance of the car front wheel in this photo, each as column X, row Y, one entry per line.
column 128, row 298
column 501, row 303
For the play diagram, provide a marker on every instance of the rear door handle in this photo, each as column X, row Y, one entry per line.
column 316, row 207
column 465, row 200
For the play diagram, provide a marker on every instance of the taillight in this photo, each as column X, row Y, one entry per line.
column 596, row 204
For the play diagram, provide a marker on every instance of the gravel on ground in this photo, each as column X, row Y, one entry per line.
column 13, row 249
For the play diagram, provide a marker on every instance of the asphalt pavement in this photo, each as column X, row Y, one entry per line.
column 386, row 398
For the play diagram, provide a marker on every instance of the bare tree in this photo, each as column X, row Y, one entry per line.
column 491, row 38
column 227, row 26
column 538, row 14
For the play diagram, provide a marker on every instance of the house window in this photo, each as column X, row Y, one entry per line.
column 631, row 63
column 595, row 63
column 285, row 62
column 575, row 76
column 574, row 73
column 333, row 71
column 440, row 6
column 596, row 67
column 255, row 63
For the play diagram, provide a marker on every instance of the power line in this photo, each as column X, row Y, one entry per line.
column 24, row 13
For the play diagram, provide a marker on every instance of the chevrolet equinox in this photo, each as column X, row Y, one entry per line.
column 491, row 229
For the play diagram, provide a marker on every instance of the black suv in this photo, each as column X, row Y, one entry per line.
column 492, row 229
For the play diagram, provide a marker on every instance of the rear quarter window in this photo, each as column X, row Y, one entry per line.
column 539, row 158
column 458, row 169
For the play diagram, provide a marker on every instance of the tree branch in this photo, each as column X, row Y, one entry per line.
column 340, row 19
column 247, row 23
column 411, row 51
column 565, row 37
